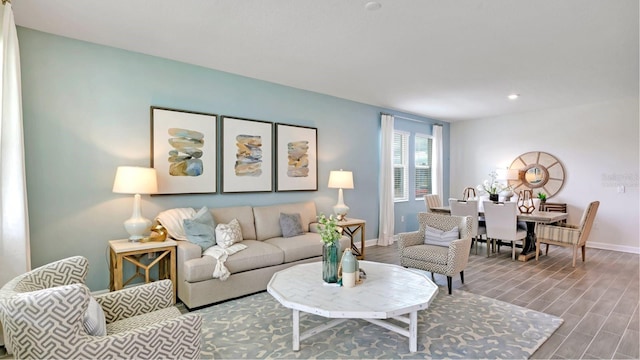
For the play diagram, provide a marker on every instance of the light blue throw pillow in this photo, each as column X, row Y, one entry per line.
column 433, row 236
column 201, row 229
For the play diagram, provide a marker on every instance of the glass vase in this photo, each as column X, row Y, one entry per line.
column 330, row 253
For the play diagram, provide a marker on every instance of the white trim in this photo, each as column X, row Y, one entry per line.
column 621, row 248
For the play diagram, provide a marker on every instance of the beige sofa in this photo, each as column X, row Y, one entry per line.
column 251, row 269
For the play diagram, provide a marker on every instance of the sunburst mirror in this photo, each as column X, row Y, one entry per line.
column 538, row 171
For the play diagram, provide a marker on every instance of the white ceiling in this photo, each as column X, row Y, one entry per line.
column 449, row 60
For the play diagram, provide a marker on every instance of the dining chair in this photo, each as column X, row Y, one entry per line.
column 469, row 208
column 501, row 222
column 431, row 201
column 568, row 235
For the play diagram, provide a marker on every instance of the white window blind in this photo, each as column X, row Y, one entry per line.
column 400, row 166
column 423, row 165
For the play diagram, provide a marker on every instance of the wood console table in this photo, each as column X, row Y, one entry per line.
column 132, row 252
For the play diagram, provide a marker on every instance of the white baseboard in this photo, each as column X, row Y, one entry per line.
column 621, row 248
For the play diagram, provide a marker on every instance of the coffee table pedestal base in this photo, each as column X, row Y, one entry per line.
column 411, row 332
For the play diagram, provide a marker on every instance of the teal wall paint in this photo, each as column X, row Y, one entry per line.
column 86, row 111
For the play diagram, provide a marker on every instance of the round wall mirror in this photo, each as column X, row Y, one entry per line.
column 538, row 171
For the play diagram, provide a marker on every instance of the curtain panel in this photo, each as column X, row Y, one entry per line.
column 386, row 221
column 15, row 257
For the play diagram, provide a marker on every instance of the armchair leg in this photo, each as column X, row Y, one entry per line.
column 538, row 250
column 449, row 281
column 462, row 277
column 433, row 277
column 583, row 251
column 546, row 252
column 575, row 255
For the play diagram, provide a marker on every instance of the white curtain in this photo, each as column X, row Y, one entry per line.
column 385, row 231
column 15, row 257
column 437, row 162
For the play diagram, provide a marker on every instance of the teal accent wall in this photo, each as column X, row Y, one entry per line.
column 86, row 111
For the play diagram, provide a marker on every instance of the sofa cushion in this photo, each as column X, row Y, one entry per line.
column 267, row 218
column 244, row 215
column 139, row 321
column 257, row 255
column 299, row 247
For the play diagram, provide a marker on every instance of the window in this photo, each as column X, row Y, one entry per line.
column 400, row 166
column 423, row 164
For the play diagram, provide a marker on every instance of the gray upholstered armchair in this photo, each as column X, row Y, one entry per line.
column 43, row 316
column 449, row 260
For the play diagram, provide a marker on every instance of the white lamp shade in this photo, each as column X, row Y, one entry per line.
column 135, row 180
column 339, row 179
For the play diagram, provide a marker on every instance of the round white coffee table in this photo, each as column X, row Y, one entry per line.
column 388, row 292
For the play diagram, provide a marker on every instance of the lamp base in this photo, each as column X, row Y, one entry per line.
column 137, row 228
column 340, row 210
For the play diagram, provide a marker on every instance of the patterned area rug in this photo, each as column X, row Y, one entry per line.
column 461, row 326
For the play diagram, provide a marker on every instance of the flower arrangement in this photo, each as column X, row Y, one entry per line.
column 542, row 196
column 329, row 229
column 492, row 186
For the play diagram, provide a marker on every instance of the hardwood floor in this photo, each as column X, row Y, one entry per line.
column 598, row 299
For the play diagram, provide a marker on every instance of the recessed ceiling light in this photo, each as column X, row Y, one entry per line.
column 513, row 96
column 372, row 5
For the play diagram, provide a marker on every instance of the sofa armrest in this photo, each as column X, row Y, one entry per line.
column 410, row 239
column 136, row 300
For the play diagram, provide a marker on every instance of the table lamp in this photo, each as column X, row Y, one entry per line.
column 340, row 180
column 136, row 180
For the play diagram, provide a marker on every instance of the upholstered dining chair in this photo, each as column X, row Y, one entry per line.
column 469, row 208
column 446, row 258
column 431, row 201
column 567, row 235
column 501, row 220
column 49, row 313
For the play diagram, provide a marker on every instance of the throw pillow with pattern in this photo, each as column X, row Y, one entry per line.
column 228, row 234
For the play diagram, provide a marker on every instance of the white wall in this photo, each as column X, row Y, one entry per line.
column 598, row 145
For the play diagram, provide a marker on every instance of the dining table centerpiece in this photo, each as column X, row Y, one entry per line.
column 330, row 234
column 493, row 187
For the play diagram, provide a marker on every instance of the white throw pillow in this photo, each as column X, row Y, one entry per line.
column 433, row 236
column 228, row 234
column 94, row 321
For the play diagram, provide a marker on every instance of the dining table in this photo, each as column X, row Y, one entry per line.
column 542, row 217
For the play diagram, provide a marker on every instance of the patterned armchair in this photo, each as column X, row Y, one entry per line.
column 42, row 313
column 448, row 261
column 574, row 236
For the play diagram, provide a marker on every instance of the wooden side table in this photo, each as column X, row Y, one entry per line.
column 132, row 252
column 351, row 227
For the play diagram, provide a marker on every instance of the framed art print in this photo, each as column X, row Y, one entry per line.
column 247, row 155
column 296, row 158
column 183, row 151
